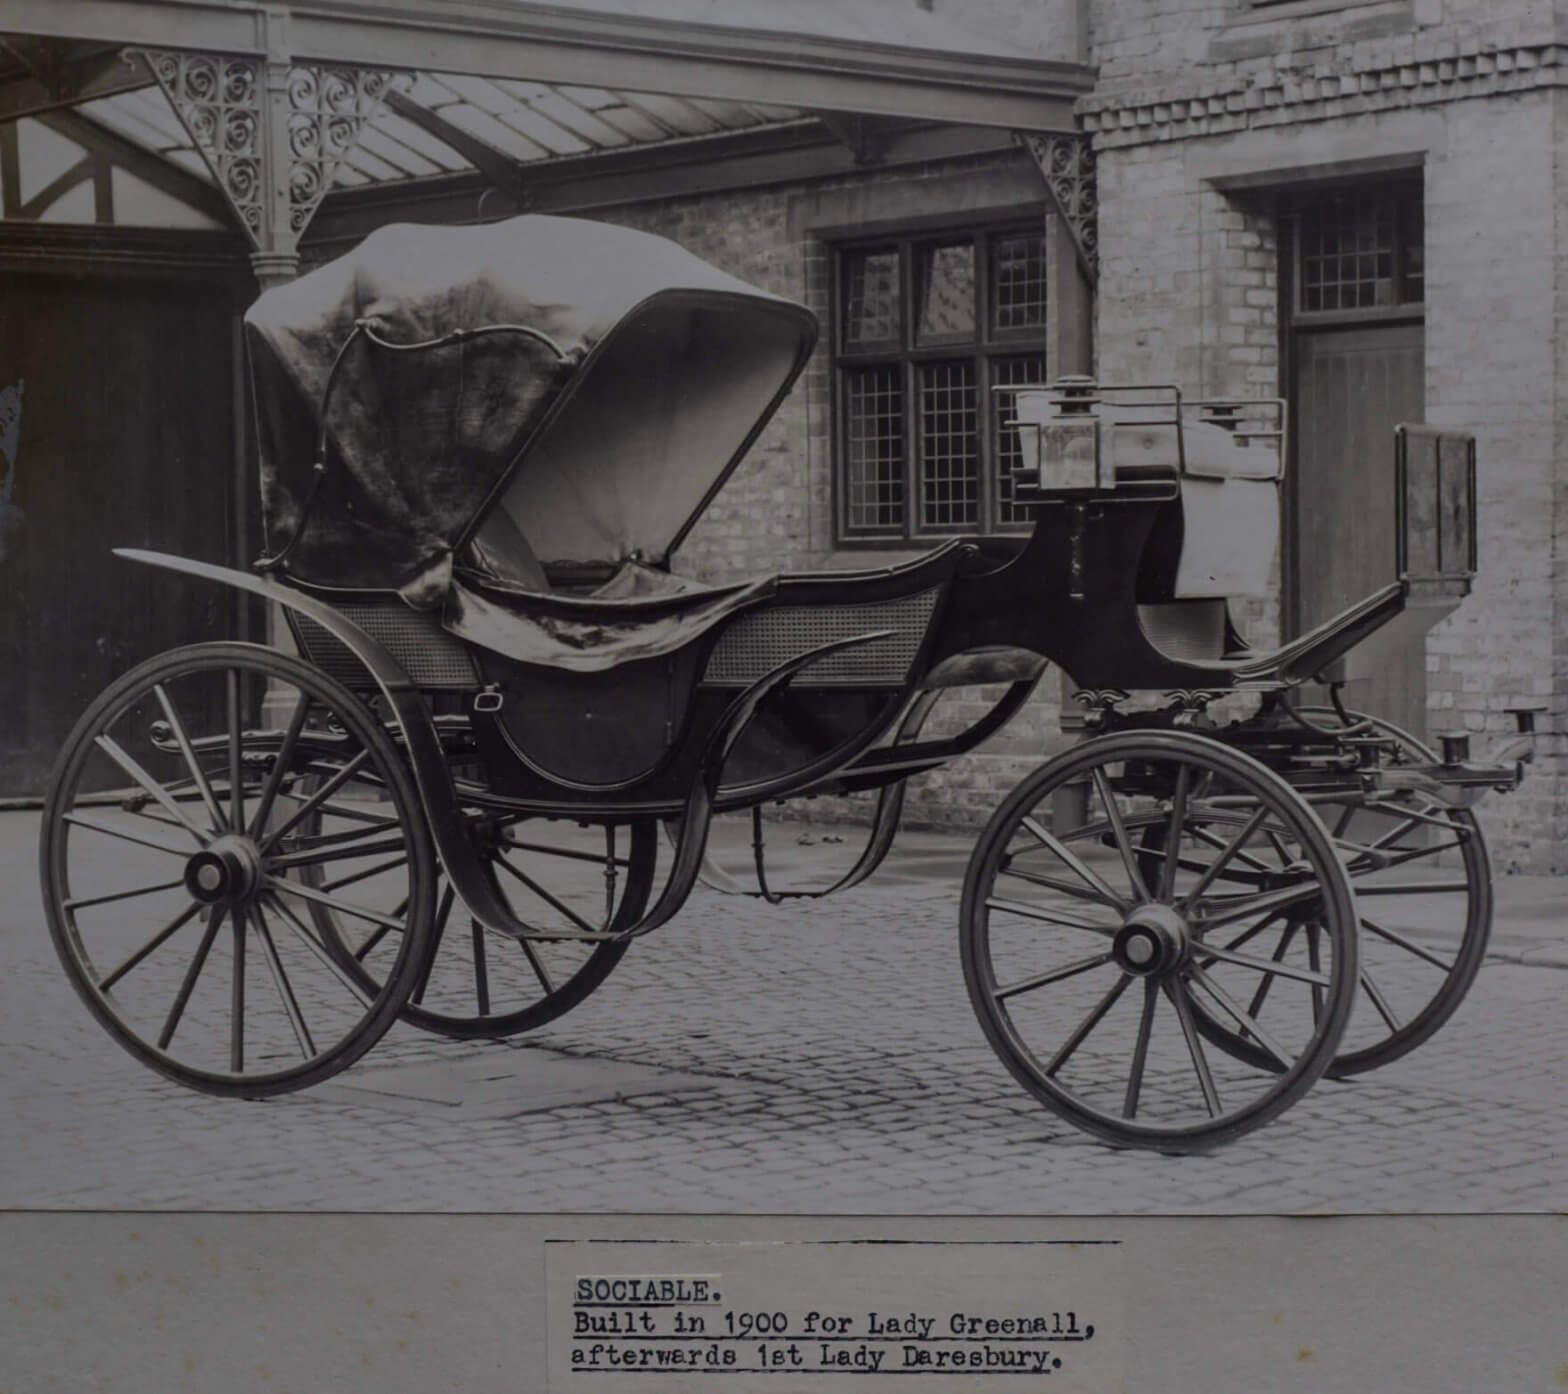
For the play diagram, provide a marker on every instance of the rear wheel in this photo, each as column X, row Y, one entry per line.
column 181, row 862
column 1089, row 958
column 1423, row 885
column 556, row 875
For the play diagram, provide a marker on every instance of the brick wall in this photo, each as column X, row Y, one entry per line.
column 1205, row 111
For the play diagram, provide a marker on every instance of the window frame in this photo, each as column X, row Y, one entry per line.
column 982, row 351
column 1404, row 193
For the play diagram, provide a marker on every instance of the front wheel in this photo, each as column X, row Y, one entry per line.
column 181, row 859
column 1090, row 961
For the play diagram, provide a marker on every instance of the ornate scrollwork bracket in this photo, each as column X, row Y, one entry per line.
column 1066, row 163
column 271, row 132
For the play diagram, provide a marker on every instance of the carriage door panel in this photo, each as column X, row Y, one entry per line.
column 1353, row 386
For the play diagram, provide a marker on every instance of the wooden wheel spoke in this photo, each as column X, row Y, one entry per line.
column 157, row 941
column 1229, row 909
column 545, row 895
column 1240, row 1015
column 1231, row 849
column 1075, row 889
column 1055, row 975
column 76, row 820
column 1266, row 965
column 1034, row 912
column 83, row 902
column 1408, row 945
column 1173, row 834
column 188, row 983
column 1408, row 854
column 311, row 804
column 438, row 933
column 537, row 964
column 280, row 978
column 1314, row 962
column 569, row 853
column 1384, row 1010
column 342, row 907
column 1071, row 859
column 1081, row 1033
column 1203, row 835
column 374, row 822
column 237, row 997
column 1413, row 888
column 183, row 740
column 280, row 766
column 364, row 875
column 1140, row 1051
column 1256, row 1005
column 1177, row 993
column 481, row 967
column 338, row 852
column 1113, row 815
column 375, row 936
column 236, row 756
column 310, row 941
column 150, row 786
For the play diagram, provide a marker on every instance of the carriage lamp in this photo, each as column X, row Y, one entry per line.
column 1524, row 717
column 1066, row 435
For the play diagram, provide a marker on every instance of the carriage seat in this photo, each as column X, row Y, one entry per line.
column 1229, row 516
column 1216, row 542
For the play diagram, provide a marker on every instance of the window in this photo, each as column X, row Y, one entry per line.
column 1359, row 252
column 925, row 327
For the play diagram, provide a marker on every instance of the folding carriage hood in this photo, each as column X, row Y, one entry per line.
column 591, row 433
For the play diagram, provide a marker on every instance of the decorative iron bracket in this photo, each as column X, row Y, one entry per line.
column 1066, row 163
column 272, row 133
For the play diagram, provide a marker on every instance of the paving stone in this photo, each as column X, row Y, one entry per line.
column 798, row 1061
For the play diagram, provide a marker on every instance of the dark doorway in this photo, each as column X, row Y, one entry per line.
column 1355, row 349
column 125, row 437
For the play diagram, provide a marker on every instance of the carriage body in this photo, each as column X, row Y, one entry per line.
column 481, row 449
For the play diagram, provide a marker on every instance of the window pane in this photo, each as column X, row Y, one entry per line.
column 874, row 449
column 1018, row 282
column 872, row 313
column 947, row 292
column 1412, row 290
column 1347, row 253
column 1009, row 372
column 949, row 446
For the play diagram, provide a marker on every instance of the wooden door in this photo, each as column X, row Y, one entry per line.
column 1352, row 387
column 1353, row 268
column 126, row 438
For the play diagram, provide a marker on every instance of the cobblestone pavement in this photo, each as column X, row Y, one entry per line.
column 808, row 1058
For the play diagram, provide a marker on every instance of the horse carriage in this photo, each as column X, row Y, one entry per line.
column 481, row 447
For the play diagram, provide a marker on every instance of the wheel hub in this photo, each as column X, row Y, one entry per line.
column 1153, row 939
column 225, row 872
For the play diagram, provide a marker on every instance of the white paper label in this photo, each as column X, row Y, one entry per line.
column 834, row 1318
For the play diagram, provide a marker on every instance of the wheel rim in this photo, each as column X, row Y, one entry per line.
column 172, row 853
column 555, row 875
column 1425, row 923
column 1085, row 956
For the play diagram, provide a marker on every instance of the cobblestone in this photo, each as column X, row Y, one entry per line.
column 839, row 1068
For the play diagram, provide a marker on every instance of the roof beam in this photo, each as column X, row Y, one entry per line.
column 578, row 184
column 500, row 169
column 167, row 178
column 553, row 43
column 69, row 80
